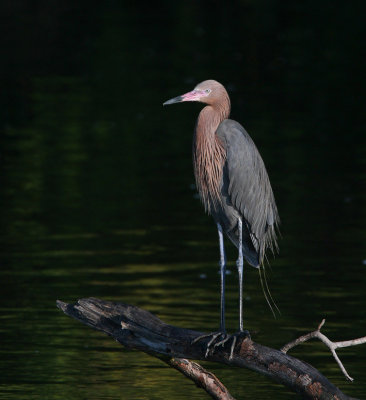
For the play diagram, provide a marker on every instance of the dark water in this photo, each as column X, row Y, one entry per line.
column 97, row 195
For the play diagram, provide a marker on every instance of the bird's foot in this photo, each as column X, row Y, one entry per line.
column 220, row 339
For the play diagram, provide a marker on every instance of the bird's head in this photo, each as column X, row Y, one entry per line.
column 208, row 92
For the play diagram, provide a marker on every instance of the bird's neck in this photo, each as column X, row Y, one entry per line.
column 210, row 118
column 209, row 154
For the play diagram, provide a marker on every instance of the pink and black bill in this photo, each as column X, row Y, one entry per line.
column 194, row 95
column 177, row 99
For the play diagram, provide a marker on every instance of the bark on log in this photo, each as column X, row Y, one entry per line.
column 139, row 329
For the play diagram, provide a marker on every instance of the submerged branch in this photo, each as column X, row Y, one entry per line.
column 141, row 330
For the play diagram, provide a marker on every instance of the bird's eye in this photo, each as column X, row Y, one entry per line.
column 208, row 91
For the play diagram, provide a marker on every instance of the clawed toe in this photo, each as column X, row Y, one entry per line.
column 235, row 337
column 220, row 339
column 211, row 345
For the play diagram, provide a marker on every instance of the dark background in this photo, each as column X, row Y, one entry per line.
column 97, row 191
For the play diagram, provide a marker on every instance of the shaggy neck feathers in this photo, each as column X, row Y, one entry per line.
column 208, row 151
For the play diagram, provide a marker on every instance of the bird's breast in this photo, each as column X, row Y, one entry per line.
column 208, row 161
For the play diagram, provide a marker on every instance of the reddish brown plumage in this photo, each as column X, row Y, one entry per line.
column 208, row 151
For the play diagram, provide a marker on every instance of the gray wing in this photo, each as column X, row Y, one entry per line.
column 248, row 186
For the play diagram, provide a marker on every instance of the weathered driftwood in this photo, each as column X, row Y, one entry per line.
column 331, row 345
column 139, row 329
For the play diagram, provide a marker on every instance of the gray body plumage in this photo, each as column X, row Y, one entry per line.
column 245, row 192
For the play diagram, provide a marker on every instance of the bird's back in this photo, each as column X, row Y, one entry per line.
column 246, row 192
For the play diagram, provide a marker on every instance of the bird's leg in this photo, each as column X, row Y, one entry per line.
column 239, row 264
column 223, row 275
column 221, row 338
column 222, row 333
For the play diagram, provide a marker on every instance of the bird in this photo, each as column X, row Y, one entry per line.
column 234, row 187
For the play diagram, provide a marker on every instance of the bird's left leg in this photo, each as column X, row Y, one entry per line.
column 240, row 264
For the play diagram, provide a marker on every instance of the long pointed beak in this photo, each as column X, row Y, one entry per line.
column 177, row 99
column 194, row 95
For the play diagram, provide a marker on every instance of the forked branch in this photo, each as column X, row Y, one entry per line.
column 331, row 345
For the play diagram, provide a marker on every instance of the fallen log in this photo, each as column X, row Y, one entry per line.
column 139, row 329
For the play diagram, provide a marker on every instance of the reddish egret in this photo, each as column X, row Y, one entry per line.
column 233, row 185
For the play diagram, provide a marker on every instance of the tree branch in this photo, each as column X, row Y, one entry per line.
column 331, row 345
column 139, row 329
column 202, row 378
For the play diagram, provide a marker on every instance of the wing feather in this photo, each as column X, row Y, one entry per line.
column 249, row 188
